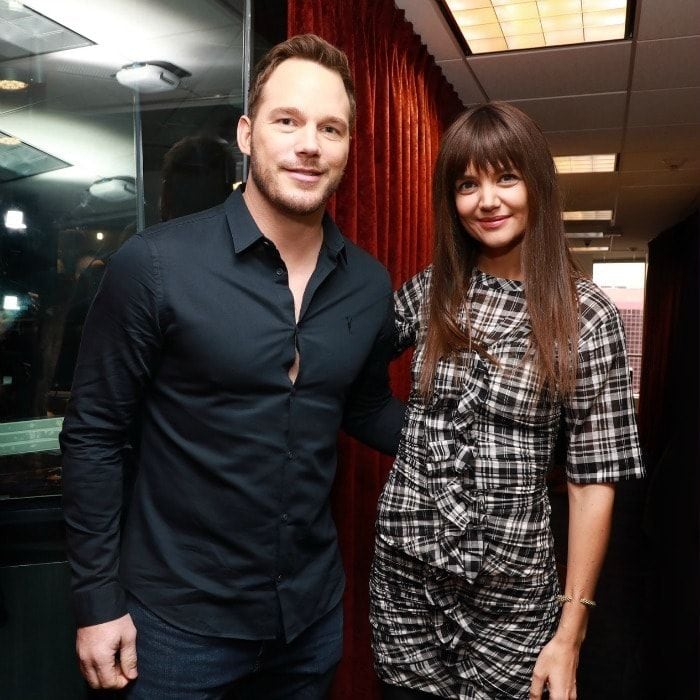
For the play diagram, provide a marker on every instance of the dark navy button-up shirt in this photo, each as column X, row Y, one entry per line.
column 191, row 336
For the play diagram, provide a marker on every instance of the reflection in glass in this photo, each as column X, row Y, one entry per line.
column 19, row 159
column 198, row 173
column 68, row 168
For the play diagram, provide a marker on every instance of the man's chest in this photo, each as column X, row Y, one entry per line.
column 248, row 333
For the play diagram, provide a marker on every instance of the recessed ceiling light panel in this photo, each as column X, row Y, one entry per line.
column 504, row 25
column 590, row 249
column 604, row 163
column 599, row 215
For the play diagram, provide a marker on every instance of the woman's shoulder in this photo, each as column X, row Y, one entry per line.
column 417, row 286
column 596, row 309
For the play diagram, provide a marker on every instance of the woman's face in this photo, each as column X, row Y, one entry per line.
column 492, row 206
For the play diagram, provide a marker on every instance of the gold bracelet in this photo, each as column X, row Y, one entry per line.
column 562, row 599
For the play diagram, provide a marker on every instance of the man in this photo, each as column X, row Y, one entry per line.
column 240, row 339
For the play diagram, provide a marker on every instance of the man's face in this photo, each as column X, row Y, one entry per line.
column 299, row 141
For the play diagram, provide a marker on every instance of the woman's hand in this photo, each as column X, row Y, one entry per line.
column 556, row 670
column 590, row 513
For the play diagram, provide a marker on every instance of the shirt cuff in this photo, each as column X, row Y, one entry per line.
column 99, row 605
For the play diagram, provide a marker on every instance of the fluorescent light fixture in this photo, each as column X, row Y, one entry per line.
column 586, row 234
column 10, row 302
column 14, row 85
column 590, row 249
column 154, row 76
column 604, row 163
column 599, row 215
column 506, row 25
column 99, row 236
column 113, row 189
column 14, row 220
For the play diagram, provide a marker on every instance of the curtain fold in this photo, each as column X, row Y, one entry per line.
column 383, row 204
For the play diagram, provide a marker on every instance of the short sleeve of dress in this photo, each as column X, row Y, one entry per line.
column 603, row 444
column 408, row 303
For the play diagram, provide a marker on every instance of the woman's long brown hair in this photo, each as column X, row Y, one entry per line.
column 498, row 135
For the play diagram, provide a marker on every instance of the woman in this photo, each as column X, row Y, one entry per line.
column 510, row 343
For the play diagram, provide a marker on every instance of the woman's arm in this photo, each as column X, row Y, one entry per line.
column 590, row 514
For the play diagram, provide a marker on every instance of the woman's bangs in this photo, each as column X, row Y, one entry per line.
column 494, row 146
column 484, row 144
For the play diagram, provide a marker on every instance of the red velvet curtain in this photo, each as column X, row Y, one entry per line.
column 403, row 104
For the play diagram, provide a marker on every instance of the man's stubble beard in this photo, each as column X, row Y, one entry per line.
column 287, row 202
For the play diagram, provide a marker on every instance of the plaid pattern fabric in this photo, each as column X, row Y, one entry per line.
column 463, row 581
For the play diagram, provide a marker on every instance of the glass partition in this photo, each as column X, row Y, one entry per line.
column 114, row 115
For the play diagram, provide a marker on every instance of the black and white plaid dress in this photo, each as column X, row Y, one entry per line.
column 463, row 582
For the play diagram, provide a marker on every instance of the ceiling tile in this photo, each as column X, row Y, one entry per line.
column 649, row 215
column 657, row 107
column 656, row 161
column 661, row 19
column 667, row 63
column 582, row 112
column 681, row 137
column 572, row 143
column 568, row 70
column 590, row 192
column 463, row 81
column 662, row 178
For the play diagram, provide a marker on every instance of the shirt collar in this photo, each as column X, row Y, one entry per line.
column 245, row 232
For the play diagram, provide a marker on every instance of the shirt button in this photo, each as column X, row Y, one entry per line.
column 285, row 517
column 278, row 578
column 279, row 272
column 290, row 455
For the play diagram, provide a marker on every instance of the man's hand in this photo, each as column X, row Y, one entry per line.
column 107, row 653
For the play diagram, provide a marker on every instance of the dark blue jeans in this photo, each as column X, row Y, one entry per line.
column 178, row 665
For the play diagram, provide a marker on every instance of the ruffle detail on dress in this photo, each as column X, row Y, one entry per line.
column 454, row 631
column 451, row 452
column 455, row 541
column 451, row 626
